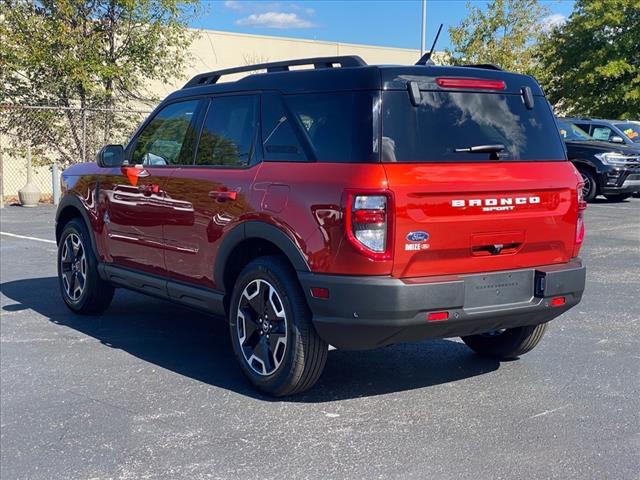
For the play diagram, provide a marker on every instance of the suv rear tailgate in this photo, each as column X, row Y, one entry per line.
column 454, row 218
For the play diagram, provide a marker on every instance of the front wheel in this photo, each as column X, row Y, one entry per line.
column 590, row 188
column 507, row 343
column 82, row 289
column 618, row 197
column 272, row 334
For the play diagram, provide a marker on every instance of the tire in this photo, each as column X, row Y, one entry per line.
column 82, row 289
column 590, row 189
column 272, row 334
column 619, row 197
column 506, row 344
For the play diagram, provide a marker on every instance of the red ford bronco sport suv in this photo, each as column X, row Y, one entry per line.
column 344, row 204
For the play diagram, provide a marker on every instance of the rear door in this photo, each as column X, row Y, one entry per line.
column 509, row 204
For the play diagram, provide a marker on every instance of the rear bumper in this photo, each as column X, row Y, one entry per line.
column 370, row 312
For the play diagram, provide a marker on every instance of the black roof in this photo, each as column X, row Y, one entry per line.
column 343, row 74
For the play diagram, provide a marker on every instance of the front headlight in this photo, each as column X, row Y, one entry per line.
column 612, row 158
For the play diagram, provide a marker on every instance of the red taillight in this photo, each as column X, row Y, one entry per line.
column 437, row 316
column 582, row 206
column 368, row 223
column 557, row 301
column 477, row 83
column 369, row 216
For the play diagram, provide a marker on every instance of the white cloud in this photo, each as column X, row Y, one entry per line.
column 275, row 20
column 553, row 21
column 309, row 11
column 234, row 5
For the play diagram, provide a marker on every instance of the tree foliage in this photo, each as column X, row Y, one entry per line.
column 90, row 52
column 504, row 34
column 591, row 65
column 79, row 54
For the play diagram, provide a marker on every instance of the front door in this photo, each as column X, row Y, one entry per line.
column 217, row 189
column 136, row 200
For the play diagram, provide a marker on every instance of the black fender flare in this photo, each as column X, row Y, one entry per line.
column 72, row 201
column 261, row 230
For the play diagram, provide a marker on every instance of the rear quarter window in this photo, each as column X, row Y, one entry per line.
column 339, row 126
column 446, row 121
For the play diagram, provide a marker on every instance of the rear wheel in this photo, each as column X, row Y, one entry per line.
column 617, row 197
column 590, row 188
column 272, row 335
column 507, row 343
column 82, row 289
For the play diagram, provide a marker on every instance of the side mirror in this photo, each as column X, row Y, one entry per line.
column 616, row 139
column 111, row 156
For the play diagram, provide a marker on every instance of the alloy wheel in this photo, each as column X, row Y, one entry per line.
column 73, row 267
column 262, row 327
column 587, row 185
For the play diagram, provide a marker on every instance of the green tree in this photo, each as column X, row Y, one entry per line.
column 85, row 53
column 503, row 34
column 591, row 65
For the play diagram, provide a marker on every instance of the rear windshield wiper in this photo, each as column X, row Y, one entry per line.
column 482, row 149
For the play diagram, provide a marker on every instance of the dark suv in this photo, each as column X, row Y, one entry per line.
column 344, row 204
column 608, row 169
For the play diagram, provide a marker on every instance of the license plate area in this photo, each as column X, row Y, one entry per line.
column 498, row 288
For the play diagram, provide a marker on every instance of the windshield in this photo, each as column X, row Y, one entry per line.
column 569, row 131
column 445, row 125
column 631, row 130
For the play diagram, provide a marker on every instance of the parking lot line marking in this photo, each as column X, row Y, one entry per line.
column 25, row 237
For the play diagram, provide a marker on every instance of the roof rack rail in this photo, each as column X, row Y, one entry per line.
column 283, row 66
column 488, row 66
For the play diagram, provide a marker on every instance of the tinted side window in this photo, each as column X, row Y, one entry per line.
column 339, row 125
column 602, row 132
column 168, row 139
column 279, row 141
column 229, row 131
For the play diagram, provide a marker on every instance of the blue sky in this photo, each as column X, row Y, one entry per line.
column 389, row 23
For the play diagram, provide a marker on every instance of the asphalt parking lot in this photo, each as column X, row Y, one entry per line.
column 151, row 389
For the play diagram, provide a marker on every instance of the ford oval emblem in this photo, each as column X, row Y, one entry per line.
column 417, row 236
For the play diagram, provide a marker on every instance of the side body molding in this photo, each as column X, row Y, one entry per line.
column 258, row 230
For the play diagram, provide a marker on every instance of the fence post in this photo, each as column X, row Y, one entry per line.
column 55, row 187
column 84, row 135
column 1, row 174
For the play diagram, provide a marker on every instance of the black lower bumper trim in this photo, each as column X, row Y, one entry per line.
column 369, row 312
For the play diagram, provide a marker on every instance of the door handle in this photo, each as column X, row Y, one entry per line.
column 223, row 195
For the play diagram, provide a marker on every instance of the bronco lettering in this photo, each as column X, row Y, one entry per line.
column 496, row 204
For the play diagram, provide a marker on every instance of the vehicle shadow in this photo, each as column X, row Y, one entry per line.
column 604, row 201
column 196, row 345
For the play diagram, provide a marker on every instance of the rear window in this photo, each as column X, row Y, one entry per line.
column 446, row 121
column 569, row 131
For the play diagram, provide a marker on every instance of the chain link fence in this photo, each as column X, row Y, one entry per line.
column 52, row 136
